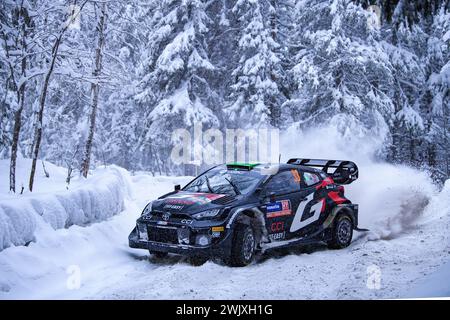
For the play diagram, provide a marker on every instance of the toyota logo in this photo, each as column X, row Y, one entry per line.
column 166, row 216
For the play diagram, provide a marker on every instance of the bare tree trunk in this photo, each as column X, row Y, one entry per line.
column 94, row 91
column 446, row 134
column 43, row 96
column 38, row 125
column 15, row 140
column 21, row 96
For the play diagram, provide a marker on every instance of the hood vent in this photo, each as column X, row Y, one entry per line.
column 224, row 200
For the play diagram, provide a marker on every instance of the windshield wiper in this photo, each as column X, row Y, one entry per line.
column 235, row 188
column 208, row 185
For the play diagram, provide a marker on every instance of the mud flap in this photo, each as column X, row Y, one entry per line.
column 361, row 229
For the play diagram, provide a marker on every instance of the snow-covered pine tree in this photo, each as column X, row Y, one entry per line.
column 437, row 102
column 175, row 88
column 256, row 96
column 341, row 71
column 120, row 125
column 407, row 124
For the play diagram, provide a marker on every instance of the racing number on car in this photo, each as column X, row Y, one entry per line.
column 297, row 223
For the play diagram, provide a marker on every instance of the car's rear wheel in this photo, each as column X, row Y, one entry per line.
column 342, row 232
column 158, row 254
column 243, row 246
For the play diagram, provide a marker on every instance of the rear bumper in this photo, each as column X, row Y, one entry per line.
column 222, row 248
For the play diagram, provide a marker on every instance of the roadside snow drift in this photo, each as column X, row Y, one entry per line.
column 96, row 199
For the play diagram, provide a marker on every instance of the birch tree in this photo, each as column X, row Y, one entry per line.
column 95, row 88
column 22, row 23
column 54, row 54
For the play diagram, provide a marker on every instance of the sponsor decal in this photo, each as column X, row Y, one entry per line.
column 217, row 229
column 180, row 201
column 313, row 213
column 296, row 175
column 192, row 198
column 277, row 226
column 278, row 209
column 186, row 221
column 277, row 236
column 215, row 234
column 174, row 206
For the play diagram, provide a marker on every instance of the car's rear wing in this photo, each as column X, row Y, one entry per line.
column 345, row 171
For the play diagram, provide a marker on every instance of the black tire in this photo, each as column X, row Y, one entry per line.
column 243, row 246
column 342, row 232
column 158, row 254
column 197, row 260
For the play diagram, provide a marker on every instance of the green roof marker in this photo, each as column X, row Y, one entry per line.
column 241, row 165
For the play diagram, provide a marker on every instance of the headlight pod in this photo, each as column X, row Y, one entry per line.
column 206, row 214
column 147, row 209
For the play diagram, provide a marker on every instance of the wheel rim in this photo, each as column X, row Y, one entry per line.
column 249, row 243
column 344, row 231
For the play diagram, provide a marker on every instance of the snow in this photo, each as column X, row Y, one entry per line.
column 22, row 217
column 407, row 249
column 40, row 270
column 434, row 285
column 108, row 268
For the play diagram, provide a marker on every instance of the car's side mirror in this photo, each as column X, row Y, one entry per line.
column 177, row 187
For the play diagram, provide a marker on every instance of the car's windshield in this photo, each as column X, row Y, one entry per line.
column 222, row 180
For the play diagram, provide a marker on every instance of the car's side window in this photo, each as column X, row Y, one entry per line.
column 284, row 182
column 310, row 178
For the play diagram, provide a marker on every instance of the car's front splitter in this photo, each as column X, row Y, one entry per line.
column 221, row 248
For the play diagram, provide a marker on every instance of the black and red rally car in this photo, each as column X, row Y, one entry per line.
column 236, row 210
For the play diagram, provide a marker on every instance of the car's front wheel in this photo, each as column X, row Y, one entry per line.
column 342, row 232
column 243, row 247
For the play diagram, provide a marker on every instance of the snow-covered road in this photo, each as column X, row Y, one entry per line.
column 95, row 262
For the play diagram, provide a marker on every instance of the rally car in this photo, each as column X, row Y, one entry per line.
column 235, row 211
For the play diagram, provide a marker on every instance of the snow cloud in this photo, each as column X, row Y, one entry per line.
column 391, row 198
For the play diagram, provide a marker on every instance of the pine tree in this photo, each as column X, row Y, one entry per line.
column 438, row 93
column 175, row 87
column 256, row 96
column 407, row 125
column 341, row 73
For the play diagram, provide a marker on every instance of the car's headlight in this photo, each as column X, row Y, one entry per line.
column 206, row 214
column 147, row 209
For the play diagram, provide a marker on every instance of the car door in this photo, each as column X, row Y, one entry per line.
column 309, row 209
column 285, row 186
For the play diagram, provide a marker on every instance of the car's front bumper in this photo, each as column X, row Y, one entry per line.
column 220, row 248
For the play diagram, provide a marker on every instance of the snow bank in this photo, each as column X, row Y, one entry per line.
column 99, row 250
column 391, row 198
column 95, row 199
